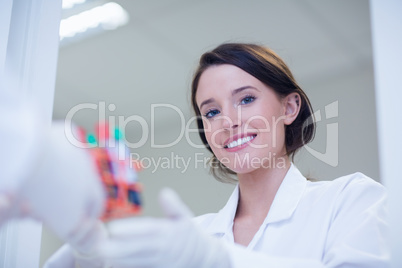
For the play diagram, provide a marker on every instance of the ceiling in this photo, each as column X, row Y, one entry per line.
column 151, row 59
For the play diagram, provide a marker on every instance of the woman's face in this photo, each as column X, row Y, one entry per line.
column 244, row 120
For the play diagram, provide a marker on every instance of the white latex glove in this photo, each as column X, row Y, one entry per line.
column 45, row 177
column 175, row 241
column 76, row 202
column 21, row 135
column 64, row 191
column 87, row 254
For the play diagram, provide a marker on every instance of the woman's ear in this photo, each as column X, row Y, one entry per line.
column 292, row 104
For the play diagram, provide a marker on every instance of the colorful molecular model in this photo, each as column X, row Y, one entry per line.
column 117, row 171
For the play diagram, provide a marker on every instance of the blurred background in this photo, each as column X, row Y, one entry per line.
column 136, row 66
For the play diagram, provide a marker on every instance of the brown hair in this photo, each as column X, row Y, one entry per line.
column 265, row 65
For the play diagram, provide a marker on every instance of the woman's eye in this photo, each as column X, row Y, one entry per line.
column 211, row 113
column 247, row 100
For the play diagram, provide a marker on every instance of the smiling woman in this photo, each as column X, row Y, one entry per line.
column 253, row 117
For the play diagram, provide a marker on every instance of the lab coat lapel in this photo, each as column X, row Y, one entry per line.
column 285, row 203
column 287, row 197
column 223, row 222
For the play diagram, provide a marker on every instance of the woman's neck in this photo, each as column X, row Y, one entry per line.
column 257, row 190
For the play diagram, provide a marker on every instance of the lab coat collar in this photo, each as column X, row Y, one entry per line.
column 282, row 208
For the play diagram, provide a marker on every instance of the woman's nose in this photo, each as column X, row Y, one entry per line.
column 231, row 119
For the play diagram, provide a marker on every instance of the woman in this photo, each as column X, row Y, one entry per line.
column 253, row 117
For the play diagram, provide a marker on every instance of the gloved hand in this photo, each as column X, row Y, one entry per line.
column 22, row 137
column 45, row 177
column 72, row 201
column 83, row 251
column 174, row 241
column 64, row 190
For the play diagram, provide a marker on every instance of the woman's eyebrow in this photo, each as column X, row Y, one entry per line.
column 240, row 89
column 206, row 102
column 234, row 92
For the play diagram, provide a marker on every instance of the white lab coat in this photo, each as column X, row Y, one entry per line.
column 340, row 223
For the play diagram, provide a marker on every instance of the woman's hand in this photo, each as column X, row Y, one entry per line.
column 64, row 191
column 174, row 241
column 83, row 250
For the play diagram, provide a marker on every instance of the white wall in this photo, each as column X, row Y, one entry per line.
column 387, row 41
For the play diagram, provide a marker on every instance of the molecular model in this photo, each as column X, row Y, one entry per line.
column 117, row 172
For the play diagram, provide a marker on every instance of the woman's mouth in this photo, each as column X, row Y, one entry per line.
column 240, row 141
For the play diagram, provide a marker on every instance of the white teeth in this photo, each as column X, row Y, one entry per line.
column 240, row 141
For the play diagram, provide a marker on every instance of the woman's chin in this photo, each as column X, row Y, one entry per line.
column 242, row 170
